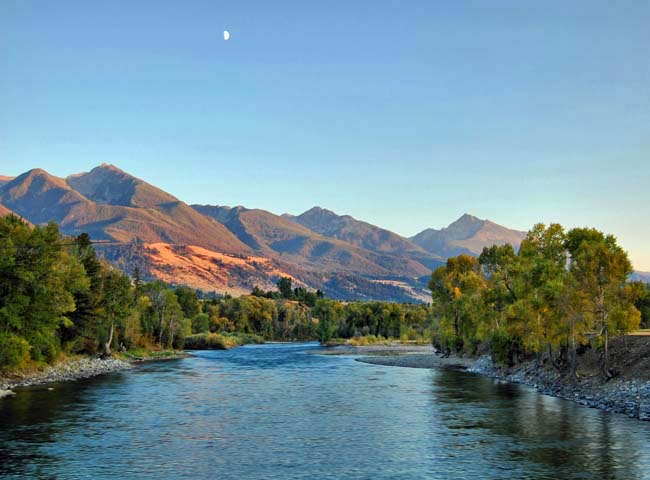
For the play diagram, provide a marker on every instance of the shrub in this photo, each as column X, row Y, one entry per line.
column 504, row 349
column 14, row 351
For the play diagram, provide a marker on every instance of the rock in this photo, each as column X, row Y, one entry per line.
column 6, row 393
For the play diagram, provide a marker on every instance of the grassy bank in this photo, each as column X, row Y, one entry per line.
column 140, row 354
column 219, row 341
column 366, row 340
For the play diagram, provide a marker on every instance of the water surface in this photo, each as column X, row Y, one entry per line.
column 276, row 411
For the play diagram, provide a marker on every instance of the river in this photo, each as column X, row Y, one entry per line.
column 277, row 411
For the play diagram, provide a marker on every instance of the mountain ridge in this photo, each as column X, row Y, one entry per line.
column 41, row 197
column 227, row 248
column 468, row 234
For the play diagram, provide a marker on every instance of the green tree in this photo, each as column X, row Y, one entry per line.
column 456, row 288
column 116, row 303
column 600, row 268
column 188, row 301
column 326, row 312
column 84, row 332
column 38, row 280
column 284, row 287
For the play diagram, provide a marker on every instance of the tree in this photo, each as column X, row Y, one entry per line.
column 38, row 281
column 455, row 289
column 541, row 268
column 500, row 267
column 167, row 310
column 642, row 294
column 188, row 300
column 326, row 313
column 284, row 287
column 116, row 302
column 85, row 325
column 600, row 268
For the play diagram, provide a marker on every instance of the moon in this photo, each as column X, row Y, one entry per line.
column 226, row 35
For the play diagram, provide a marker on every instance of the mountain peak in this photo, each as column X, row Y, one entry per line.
column 316, row 210
column 41, row 177
column 109, row 167
column 468, row 234
column 466, row 219
column 34, row 172
column 109, row 185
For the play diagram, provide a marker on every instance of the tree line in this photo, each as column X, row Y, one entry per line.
column 57, row 297
column 299, row 314
column 562, row 291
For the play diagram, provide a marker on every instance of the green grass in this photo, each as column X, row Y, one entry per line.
column 220, row 341
column 142, row 353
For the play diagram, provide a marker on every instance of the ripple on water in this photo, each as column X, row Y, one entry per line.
column 272, row 411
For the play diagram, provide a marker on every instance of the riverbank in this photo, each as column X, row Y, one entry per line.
column 80, row 368
column 379, row 349
column 628, row 394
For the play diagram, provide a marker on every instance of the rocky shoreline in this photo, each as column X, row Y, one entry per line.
column 76, row 369
column 64, row 371
column 627, row 396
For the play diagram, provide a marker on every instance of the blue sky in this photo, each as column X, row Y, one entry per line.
column 403, row 114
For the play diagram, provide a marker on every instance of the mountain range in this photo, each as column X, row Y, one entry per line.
column 232, row 249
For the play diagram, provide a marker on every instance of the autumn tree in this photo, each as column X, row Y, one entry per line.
column 600, row 268
column 456, row 289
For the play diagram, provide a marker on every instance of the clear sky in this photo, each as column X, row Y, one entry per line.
column 403, row 114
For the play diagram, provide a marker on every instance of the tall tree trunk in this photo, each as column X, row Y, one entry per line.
column 574, row 360
column 107, row 345
column 555, row 364
column 171, row 332
column 162, row 324
column 605, row 364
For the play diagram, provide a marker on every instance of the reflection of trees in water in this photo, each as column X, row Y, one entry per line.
column 547, row 433
column 36, row 417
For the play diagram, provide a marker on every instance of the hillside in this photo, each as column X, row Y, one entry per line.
column 140, row 211
column 365, row 235
column 4, row 211
column 232, row 249
column 356, row 232
column 108, row 185
column 278, row 237
column 468, row 235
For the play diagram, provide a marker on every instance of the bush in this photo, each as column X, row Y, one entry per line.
column 504, row 348
column 201, row 323
column 44, row 348
column 14, row 351
column 367, row 340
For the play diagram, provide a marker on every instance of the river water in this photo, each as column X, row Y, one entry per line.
column 277, row 411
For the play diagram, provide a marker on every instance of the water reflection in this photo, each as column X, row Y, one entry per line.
column 274, row 411
column 543, row 433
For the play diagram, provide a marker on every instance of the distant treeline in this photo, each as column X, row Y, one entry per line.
column 58, row 297
column 297, row 313
column 561, row 292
